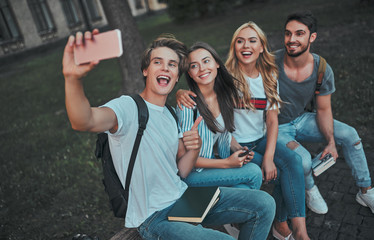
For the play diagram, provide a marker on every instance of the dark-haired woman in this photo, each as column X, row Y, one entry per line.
column 216, row 95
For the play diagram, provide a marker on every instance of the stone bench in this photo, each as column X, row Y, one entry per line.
column 127, row 234
column 132, row 234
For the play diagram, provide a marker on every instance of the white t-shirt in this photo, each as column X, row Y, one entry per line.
column 155, row 184
column 249, row 124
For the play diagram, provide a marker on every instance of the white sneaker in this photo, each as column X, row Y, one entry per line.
column 314, row 201
column 367, row 199
column 231, row 230
column 279, row 236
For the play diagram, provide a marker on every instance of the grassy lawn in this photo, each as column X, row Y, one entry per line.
column 50, row 180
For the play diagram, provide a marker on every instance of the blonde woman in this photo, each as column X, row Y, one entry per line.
column 256, row 123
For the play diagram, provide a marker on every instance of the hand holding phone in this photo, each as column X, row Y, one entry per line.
column 102, row 46
column 247, row 151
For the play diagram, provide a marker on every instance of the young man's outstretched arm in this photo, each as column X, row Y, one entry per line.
column 81, row 115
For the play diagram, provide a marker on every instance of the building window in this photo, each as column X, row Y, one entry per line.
column 70, row 11
column 139, row 4
column 42, row 16
column 8, row 27
column 92, row 10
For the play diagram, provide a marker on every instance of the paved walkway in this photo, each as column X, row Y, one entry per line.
column 346, row 219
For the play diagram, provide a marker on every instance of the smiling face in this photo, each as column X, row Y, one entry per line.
column 248, row 47
column 162, row 72
column 297, row 38
column 202, row 67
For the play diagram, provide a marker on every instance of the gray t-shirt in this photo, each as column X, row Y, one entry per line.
column 297, row 95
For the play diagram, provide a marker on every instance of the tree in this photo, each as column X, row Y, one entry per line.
column 118, row 14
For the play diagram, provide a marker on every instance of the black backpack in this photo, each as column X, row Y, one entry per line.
column 118, row 196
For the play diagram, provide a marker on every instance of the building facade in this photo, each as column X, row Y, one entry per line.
column 26, row 24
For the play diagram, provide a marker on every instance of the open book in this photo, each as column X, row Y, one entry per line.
column 194, row 204
column 321, row 165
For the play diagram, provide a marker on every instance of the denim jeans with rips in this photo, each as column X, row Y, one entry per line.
column 252, row 209
column 289, row 189
column 305, row 129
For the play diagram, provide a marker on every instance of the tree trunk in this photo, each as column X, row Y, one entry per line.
column 119, row 16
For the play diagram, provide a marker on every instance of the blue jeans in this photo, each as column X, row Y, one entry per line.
column 248, row 176
column 289, row 189
column 305, row 129
column 252, row 209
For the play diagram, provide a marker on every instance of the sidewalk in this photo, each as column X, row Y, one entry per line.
column 346, row 219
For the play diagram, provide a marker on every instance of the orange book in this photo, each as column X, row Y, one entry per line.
column 102, row 46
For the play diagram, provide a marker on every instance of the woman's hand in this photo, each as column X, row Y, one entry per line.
column 236, row 161
column 249, row 157
column 183, row 97
column 269, row 170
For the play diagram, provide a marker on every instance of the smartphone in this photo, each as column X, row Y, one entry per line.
column 247, row 151
column 102, row 46
column 244, row 153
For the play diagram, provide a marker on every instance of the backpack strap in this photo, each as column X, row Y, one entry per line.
column 142, row 120
column 171, row 110
column 320, row 73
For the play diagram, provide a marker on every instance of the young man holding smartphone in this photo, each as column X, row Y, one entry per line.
column 162, row 159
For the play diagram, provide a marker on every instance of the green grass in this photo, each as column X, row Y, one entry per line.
column 51, row 182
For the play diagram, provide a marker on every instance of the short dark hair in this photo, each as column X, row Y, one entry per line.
column 167, row 40
column 305, row 17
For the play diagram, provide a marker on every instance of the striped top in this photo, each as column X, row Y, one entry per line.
column 186, row 121
column 250, row 125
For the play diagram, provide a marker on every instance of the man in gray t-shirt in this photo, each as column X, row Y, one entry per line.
column 297, row 83
column 297, row 95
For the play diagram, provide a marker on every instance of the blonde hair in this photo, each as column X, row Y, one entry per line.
column 265, row 64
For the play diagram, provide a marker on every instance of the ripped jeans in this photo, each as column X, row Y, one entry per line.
column 305, row 129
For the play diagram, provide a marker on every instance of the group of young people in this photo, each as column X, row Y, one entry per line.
column 256, row 100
